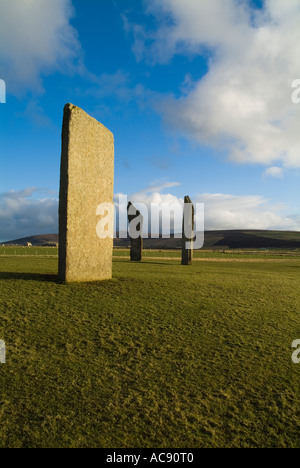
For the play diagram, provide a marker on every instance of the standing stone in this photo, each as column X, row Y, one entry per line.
column 136, row 221
column 187, row 231
column 87, row 177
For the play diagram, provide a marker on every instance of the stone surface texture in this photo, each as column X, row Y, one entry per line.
column 87, row 179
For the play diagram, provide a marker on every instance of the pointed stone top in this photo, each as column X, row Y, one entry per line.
column 72, row 110
column 187, row 199
column 137, row 213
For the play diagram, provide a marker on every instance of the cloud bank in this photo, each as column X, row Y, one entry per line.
column 225, row 211
column 36, row 38
column 27, row 212
column 32, row 212
column 244, row 102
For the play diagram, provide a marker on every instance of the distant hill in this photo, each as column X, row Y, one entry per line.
column 234, row 239
column 252, row 239
column 35, row 240
column 220, row 240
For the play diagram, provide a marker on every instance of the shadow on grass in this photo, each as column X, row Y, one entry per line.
column 48, row 278
column 29, row 277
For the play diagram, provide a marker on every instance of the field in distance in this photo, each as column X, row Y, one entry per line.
column 262, row 254
column 160, row 356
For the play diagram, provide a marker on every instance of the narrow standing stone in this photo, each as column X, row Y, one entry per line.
column 187, row 231
column 87, row 176
column 136, row 220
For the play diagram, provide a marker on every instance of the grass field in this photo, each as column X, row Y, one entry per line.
column 161, row 356
column 162, row 254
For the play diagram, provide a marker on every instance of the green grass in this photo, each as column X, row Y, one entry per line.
column 215, row 254
column 161, row 356
column 27, row 251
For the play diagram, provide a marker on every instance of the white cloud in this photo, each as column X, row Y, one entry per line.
column 243, row 104
column 157, row 186
column 27, row 212
column 36, row 38
column 225, row 211
column 145, row 197
column 274, row 171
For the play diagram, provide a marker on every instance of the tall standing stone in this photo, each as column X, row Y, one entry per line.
column 187, row 231
column 136, row 220
column 87, row 177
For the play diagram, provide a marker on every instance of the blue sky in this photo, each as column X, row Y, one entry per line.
column 197, row 94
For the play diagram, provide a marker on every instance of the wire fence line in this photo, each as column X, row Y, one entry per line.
column 12, row 251
column 27, row 252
